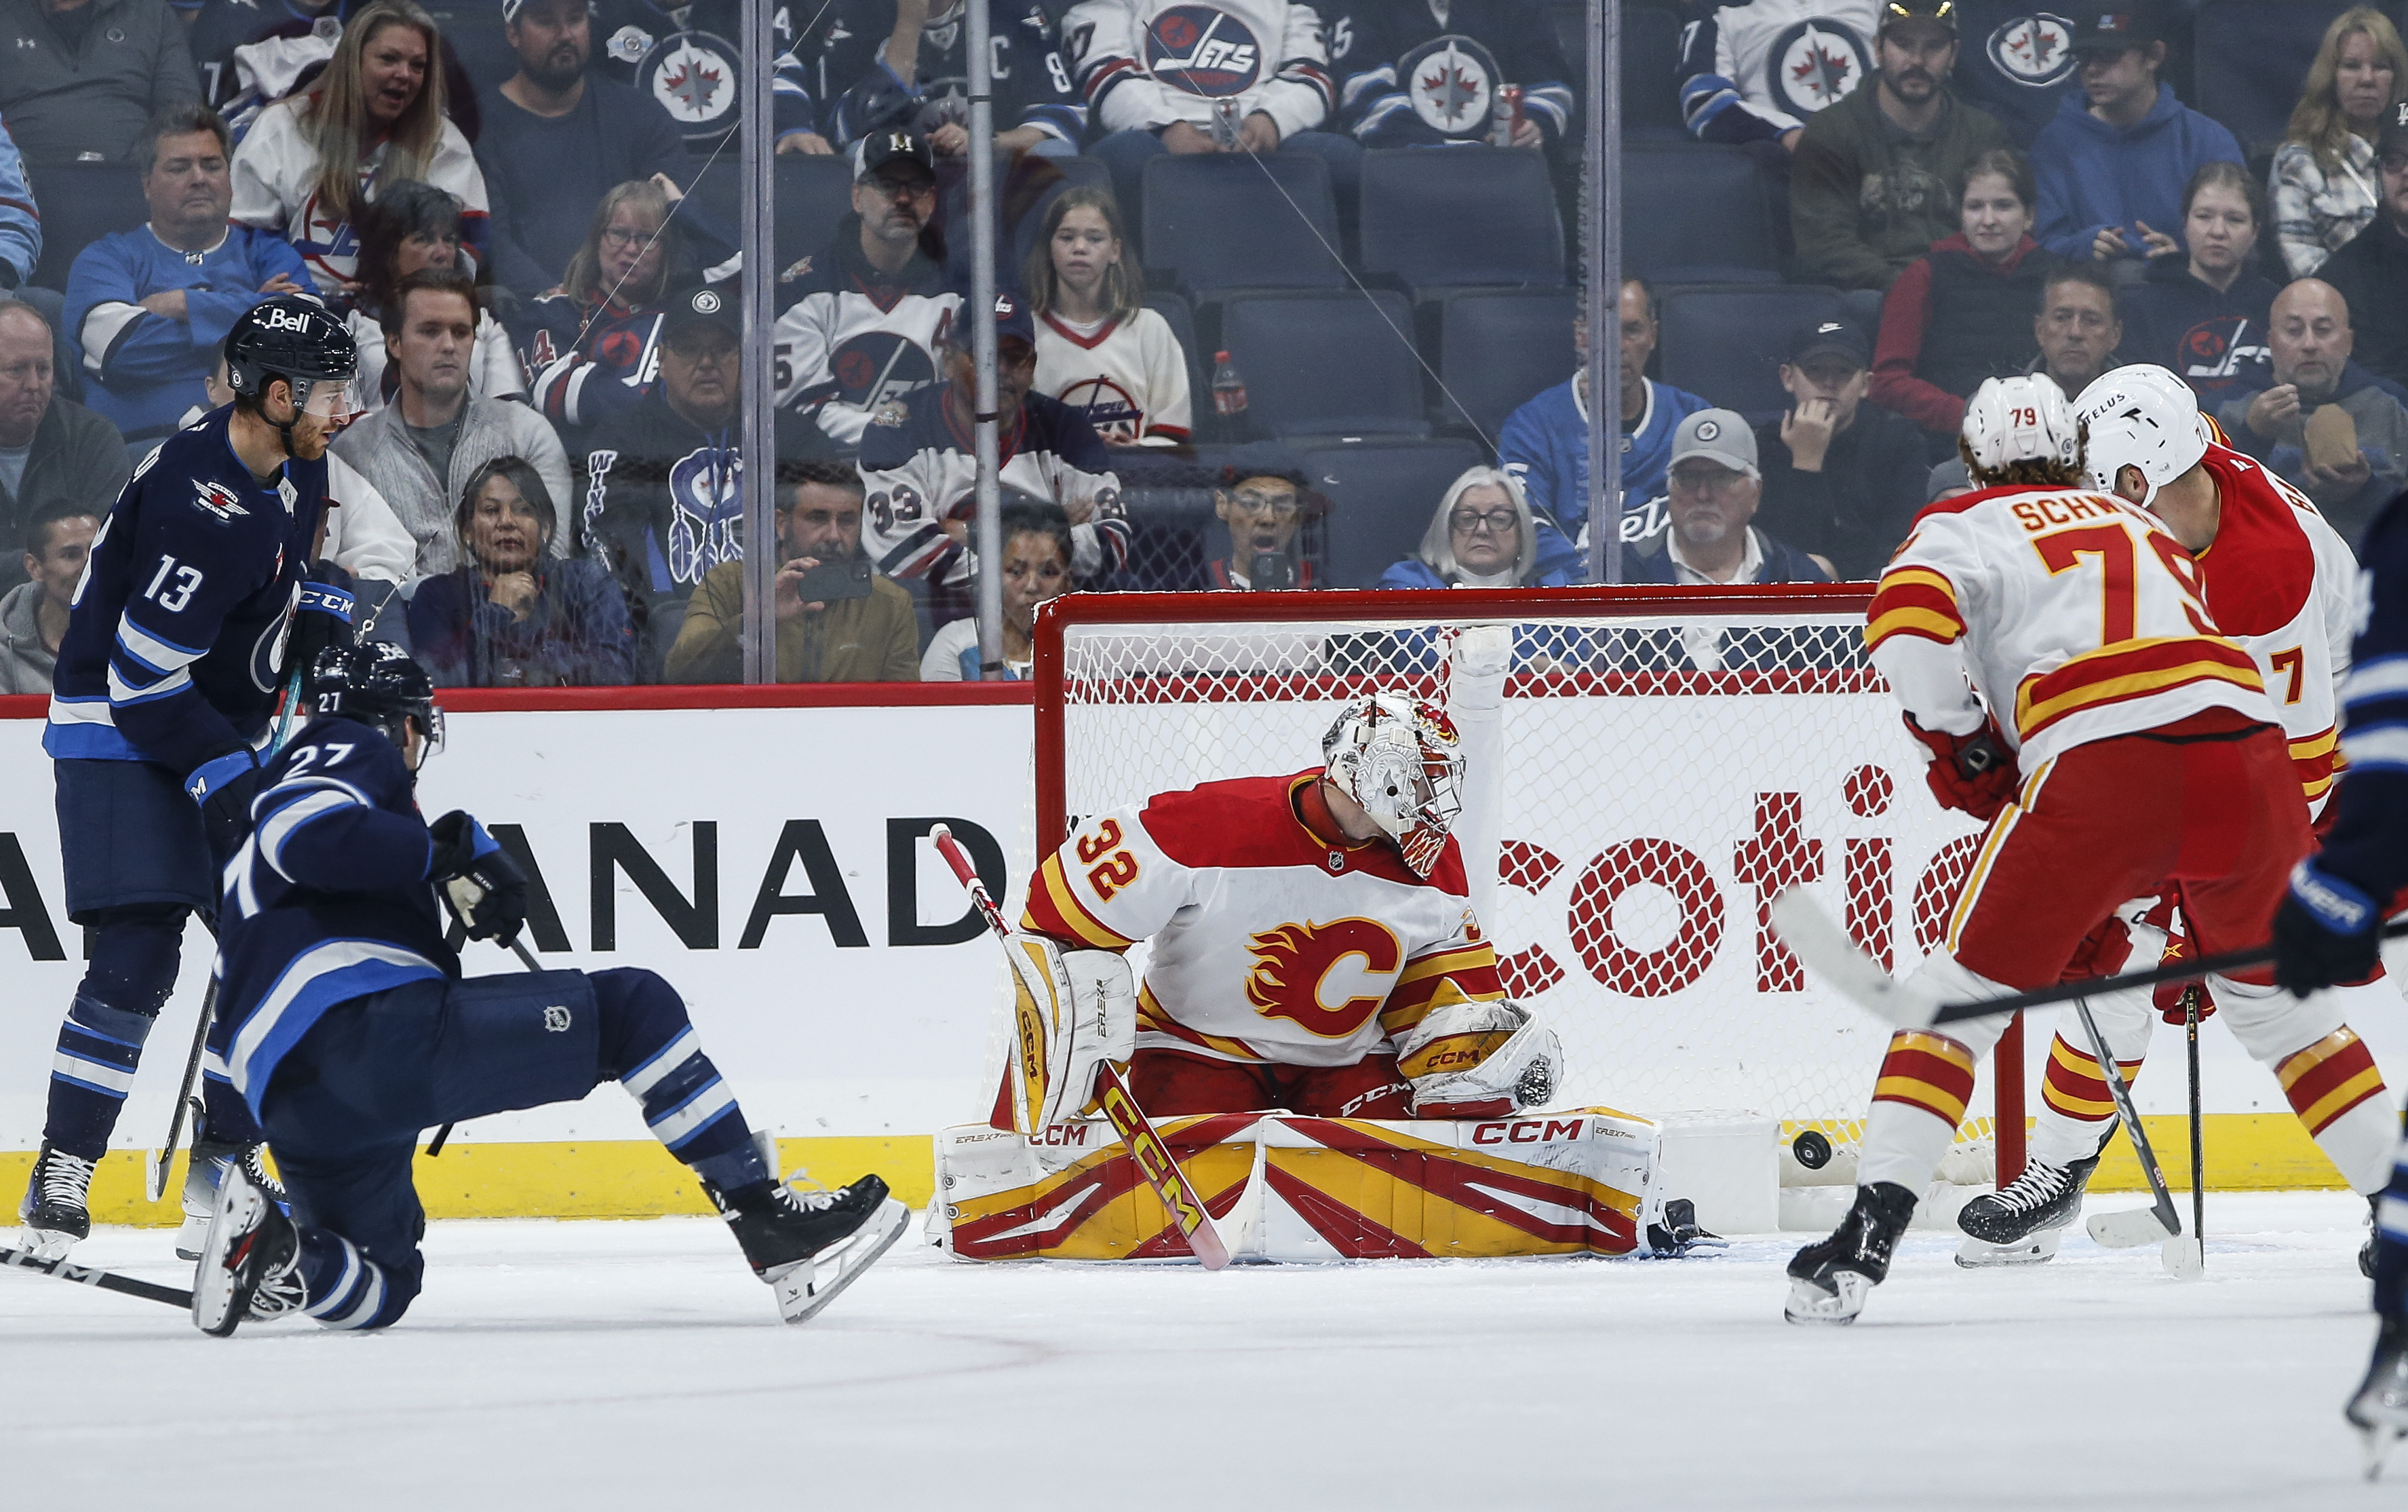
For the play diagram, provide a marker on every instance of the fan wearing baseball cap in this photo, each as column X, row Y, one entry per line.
column 2112, row 164
column 1709, row 538
column 1842, row 477
column 2371, row 270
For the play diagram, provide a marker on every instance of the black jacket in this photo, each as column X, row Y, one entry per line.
column 2371, row 270
column 1858, row 509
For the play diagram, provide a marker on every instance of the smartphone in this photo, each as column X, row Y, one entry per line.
column 830, row 581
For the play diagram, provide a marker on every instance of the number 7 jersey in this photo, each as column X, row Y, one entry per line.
column 2080, row 617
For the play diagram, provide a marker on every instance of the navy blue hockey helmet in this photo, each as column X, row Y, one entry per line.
column 379, row 684
column 294, row 337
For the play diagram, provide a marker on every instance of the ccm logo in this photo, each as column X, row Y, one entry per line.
column 1062, row 1134
column 1527, row 1131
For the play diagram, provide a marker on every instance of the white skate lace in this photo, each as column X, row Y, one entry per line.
column 254, row 1165
column 65, row 1179
column 2038, row 1186
column 813, row 1202
column 280, row 1292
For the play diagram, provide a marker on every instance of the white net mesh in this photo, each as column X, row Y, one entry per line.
column 1645, row 785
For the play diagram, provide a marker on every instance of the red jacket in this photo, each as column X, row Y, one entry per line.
column 1906, row 321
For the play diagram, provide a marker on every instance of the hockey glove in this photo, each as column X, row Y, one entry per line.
column 223, row 787
column 2168, row 997
column 322, row 617
column 486, row 889
column 2326, row 930
column 1975, row 773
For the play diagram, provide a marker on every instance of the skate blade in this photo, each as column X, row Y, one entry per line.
column 45, row 1245
column 2128, row 1229
column 1810, row 1305
column 2183, row 1258
column 807, row 1286
column 2031, row 1249
column 2374, row 1441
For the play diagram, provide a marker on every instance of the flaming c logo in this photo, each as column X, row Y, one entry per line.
column 1294, row 959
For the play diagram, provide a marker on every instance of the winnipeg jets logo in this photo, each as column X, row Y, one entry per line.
column 1815, row 64
column 1452, row 83
column 706, row 512
column 693, row 76
column 2034, row 50
column 1202, row 51
column 878, row 366
column 218, row 501
column 1295, row 965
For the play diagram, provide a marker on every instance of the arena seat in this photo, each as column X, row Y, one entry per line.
column 1381, row 494
column 1215, row 222
column 1181, row 321
column 80, row 203
column 1651, row 64
column 1695, row 214
column 1724, row 343
column 1320, row 364
column 1496, row 349
column 1436, row 218
column 813, row 194
column 2252, row 59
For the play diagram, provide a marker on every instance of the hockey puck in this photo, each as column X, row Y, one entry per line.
column 1813, row 1149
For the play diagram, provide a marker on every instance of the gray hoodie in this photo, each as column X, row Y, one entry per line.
column 25, row 663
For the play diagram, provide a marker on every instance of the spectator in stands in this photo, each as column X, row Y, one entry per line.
column 1711, row 539
column 52, row 450
column 920, row 473
column 1842, row 479
column 556, row 137
column 1544, row 443
column 901, row 69
column 2109, row 164
column 1755, row 72
column 869, row 314
column 1876, row 176
column 1475, row 48
column 516, row 612
column 416, row 226
column 869, row 636
column 313, row 159
column 80, row 79
column 2324, row 424
column 1265, row 512
column 1098, row 349
column 1948, row 480
column 2324, row 179
column 1154, row 87
column 21, row 223
column 2018, row 64
column 421, row 450
column 2076, row 327
column 1483, row 536
column 1035, row 567
column 34, row 613
column 2204, row 316
column 1958, row 314
column 2371, row 269
column 590, row 348
column 151, row 307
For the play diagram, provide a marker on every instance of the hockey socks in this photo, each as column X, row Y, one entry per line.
column 686, row 1104
column 2077, row 1112
column 341, row 1287
column 2336, row 1090
column 99, row 1048
column 1926, row 1081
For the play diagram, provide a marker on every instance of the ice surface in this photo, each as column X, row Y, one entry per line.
column 606, row 1365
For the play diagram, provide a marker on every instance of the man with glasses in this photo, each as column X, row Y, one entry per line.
column 1709, row 540
column 1842, row 477
column 2371, row 270
column 868, row 316
column 1264, row 512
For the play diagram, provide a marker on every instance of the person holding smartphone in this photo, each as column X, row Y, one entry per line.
column 840, row 620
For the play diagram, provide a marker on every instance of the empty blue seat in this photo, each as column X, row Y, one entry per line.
column 1324, row 364
column 1435, row 216
column 1217, row 221
column 1695, row 214
column 2253, row 57
column 1382, row 495
column 1725, row 344
column 1651, row 60
column 1498, row 348
column 81, row 203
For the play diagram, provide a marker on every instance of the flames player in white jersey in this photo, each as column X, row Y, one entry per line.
column 1313, row 946
column 2282, row 583
column 2115, row 741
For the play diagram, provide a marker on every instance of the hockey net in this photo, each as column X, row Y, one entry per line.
column 1646, row 769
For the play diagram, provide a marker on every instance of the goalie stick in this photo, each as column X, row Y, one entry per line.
column 66, row 1270
column 1155, row 1162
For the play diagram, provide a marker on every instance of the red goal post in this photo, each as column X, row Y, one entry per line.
column 1646, row 769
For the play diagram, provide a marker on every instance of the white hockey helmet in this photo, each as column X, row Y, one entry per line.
column 1400, row 758
column 2020, row 419
column 2144, row 417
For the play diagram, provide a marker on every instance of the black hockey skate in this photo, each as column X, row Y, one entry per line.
column 203, row 1173
column 250, row 1262
column 2022, row 1223
column 810, row 1246
column 2379, row 1410
column 1828, row 1282
column 1680, row 1232
column 56, row 1209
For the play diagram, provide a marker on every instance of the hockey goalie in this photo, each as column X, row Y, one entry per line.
column 1321, row 1021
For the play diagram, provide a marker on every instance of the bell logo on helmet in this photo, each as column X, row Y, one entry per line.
column 280, row 318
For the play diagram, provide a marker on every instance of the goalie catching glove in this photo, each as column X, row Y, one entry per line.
column 1480, row 1060
column 1072, row 1010
column 486, row 889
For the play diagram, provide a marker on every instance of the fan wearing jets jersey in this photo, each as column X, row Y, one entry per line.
column 2280, row 582
column 2053, row 650
column 1432, row 73
column 902, row 65
column 1313, row 946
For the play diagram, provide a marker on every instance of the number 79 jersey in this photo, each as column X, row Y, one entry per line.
column 1270, row 944
column 2080, row 617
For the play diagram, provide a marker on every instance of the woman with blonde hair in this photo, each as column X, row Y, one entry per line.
column 1098, row 349
column 2323, row 184
column 315, row 159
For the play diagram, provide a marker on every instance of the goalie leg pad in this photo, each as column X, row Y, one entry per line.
column 1072, row 1011
column 1480, row 1060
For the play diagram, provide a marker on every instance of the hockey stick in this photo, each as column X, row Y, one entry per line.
column 2123, row 1231
column 2197, row 1259
column 527, row 958
column 1155, row 1162
column 64, row 1270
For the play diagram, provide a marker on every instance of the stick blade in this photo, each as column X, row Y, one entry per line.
column 1822, row 944
column 2182, row 1257
column 154, row 1174
column 2128, row 1229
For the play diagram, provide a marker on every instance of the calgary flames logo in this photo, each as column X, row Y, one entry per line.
column 1291, row 961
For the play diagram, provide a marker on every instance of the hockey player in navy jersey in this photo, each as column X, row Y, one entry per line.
column 2330, row 928
column 195, row 601
column 352, row 1031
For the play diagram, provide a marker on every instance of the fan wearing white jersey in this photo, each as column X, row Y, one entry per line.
column 2281, row 581
column 1314, row 947
column 2053, row 652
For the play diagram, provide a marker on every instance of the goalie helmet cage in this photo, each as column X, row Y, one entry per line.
column 1627, row 817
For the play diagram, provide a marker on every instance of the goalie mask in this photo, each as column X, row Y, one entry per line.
column 1400, row 758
